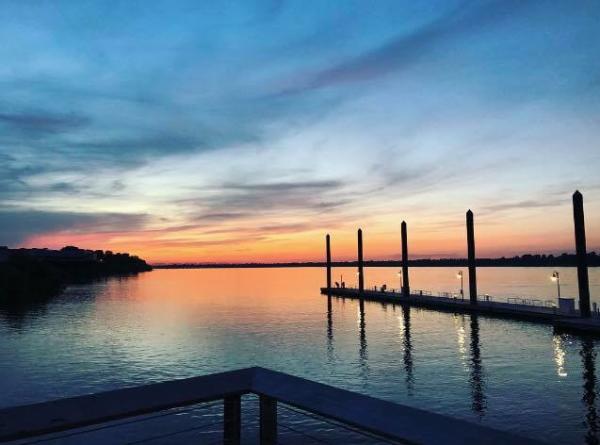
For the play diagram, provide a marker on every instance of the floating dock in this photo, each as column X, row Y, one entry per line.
column 540, row 314
column 583, row 320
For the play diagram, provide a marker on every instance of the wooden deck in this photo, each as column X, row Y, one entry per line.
column 539, row 314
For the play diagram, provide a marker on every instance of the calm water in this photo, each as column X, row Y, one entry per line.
column 166, row 324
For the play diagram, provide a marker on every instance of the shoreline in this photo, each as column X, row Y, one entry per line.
column 347, row 264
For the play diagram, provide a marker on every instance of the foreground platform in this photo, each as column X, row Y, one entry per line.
column 391, row 422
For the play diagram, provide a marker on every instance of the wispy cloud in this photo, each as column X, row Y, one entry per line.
column 525, row 204
column 408, row 48
column 239, row 200
column 18, row 225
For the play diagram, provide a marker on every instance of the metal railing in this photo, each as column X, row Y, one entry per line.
column 525, row 301
column 370, row 417
column 516, row 301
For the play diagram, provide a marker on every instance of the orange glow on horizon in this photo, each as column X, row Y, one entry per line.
column 431, row 235
column 309, row 246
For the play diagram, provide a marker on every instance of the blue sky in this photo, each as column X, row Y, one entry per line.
column 245, row 130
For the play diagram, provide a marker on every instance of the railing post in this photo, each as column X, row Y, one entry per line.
column 405, row 284
column 328, row 257
column 268, row 420
column 581, row 251
column 361, row 279
column 471, row 258
column 232, row 420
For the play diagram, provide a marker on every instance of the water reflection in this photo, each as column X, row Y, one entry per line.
column 558, row 344
column 16, row 315
column 461, row 338
column 476, row 379
column 588, row 359
column 329, row 330
column 407, row 346
column 362, row 352
column 180, row 323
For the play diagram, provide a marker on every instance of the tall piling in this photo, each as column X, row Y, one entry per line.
column 581, row 253
column 405, row 281
column 328, row 259
column 471, row 258
column 361, row 278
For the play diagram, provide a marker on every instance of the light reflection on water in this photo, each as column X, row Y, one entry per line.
column 559, row 356
column 168, row 324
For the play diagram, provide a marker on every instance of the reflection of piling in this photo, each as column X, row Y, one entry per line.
column 364, row 365
column 471, row 258
column 329, row 329
column 476, row 378
column 582, row 270
column 361, row 279
column 405, row 284
column 407, row 344
column 328, row 248
column 329, row 321
column 588, row 358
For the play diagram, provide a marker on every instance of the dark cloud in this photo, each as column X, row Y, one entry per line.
column 18, row 225
column 290, row 228
column 117, row 186
column 526, row 204
column 132, row 148
column 63, row 187
column 236, row 202
column 41, row 123
column 16, row 184
column 189, row 242
column 13, row 177
column 283, row 187
column 240, row 200
column 225, row 216
column 269, row 229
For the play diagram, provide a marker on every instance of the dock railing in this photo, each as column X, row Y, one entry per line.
column 515, row 301
column 385, row 421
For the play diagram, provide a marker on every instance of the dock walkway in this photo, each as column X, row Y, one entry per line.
column 540, row 314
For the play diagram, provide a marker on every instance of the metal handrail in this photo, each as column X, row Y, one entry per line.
column 517, row 301
column 367, row 414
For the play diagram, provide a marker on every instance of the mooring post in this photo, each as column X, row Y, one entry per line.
column 232, row 420
column 582, row 269
column 328, row 257
column 361, row 280
column 405, row 284
column 268, row 420
column 471, row 258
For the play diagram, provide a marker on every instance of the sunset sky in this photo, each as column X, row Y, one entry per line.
column 244, row 131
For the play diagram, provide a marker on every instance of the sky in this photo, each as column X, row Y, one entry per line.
column 206, row 131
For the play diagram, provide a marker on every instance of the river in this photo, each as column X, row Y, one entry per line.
column 512, row 375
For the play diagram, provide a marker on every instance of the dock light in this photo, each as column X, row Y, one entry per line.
column 459, row 275
column 556, row 277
